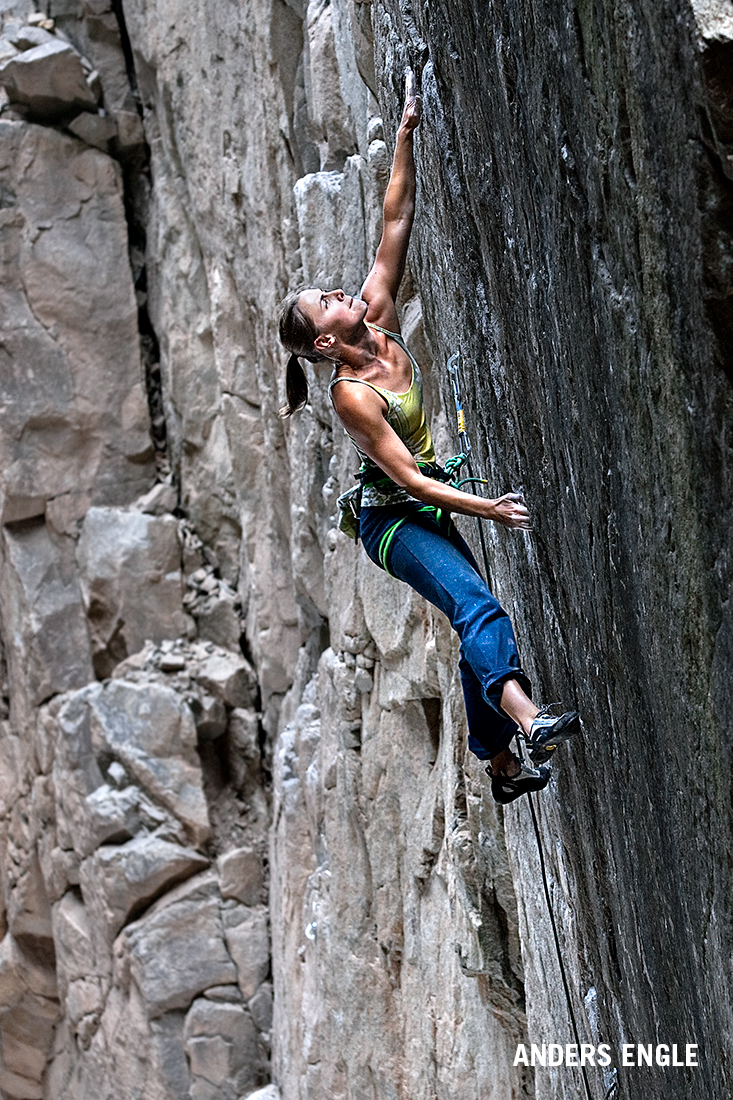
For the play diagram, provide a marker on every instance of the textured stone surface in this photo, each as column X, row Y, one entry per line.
column 94, row 30
column 269, row 1092
column 75, row 426
column 42, row 608
column 119, row 879
column 245, row 932
column 222, row 1048
column 94, row 129
column 178, row 950
column 394, row 902
column 149, row 730
column 49, row 80
column 130, row 563
column 241, row 875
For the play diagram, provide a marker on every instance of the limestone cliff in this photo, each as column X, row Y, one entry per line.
column 245, row 851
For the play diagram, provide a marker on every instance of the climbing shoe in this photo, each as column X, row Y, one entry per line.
column 505, row 788
column 548, row 731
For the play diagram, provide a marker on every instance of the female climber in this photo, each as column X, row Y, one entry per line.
column 404, row 522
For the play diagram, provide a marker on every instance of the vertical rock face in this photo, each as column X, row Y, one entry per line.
column 75, row 428
column 190, row 665
column 579, row 303
column 129, row 748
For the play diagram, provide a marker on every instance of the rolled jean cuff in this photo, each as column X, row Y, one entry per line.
column 501, row 742
column 493, row 688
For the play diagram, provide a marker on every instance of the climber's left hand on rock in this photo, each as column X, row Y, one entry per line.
column 511, row 511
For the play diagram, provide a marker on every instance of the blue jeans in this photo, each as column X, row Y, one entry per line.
column 429, row 554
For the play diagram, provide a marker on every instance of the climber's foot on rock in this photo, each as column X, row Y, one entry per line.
column 511, row 778
column 548, row 731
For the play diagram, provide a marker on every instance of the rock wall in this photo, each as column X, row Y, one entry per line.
column 597, row 384
column 243, row 840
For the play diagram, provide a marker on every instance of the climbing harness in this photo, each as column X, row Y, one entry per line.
column 374, row 476
column 349, row 503
column 453, row 367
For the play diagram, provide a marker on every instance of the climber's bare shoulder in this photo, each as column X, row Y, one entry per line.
column 381, row 309
column 359, row 408
column 362, row 412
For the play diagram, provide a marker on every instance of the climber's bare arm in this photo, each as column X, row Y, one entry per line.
column 361, row 410
column 383, row 281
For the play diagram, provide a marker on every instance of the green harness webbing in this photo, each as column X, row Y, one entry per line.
column 441, row 517
column 447, row 474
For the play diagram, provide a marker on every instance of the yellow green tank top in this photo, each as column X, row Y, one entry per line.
column 406, row 415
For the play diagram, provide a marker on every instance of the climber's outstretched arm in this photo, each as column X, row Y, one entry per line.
column 361, row 411
column 383, row 281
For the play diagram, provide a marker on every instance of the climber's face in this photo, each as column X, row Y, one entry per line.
column 337, row 317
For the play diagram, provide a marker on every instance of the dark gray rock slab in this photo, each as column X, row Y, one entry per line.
column 569, row 241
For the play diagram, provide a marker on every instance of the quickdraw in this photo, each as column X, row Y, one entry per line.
column 453, row 466
column 453, row 368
